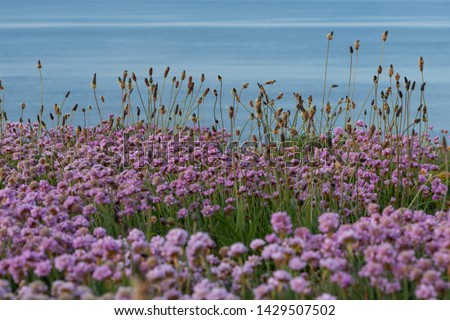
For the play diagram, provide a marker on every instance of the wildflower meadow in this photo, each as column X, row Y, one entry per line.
column 324, row 199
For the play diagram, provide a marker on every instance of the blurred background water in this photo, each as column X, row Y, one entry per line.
column 243, row 41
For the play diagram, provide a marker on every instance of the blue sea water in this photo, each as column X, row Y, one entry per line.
column 243, row 41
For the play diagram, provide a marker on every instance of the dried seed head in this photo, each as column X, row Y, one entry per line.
column 194, row 118
column 215, row 92
column 238, row 132
column 380, row 69
column 356, row 45
column 57, row 110
column 421, row 62
column 183, row 75
column 388, row 92
column 39, row 64
column 391, row 71
column 1, row 87
column 205, row 93
column 155, row 92
column 231, row 112
column 166, row 72
column 330, row 36
column 312, row 112
column 245, row 85
column 280, row 96
column 125, row 74
column 150, row 72
column 51, row 116
column 122, row 83
column 64, row 120
column 75, row 107
column 278, row 112
column 270, row 82
column 397, row 76
column 258, row 108
column 190, row 88
column 147, row 83
column 23, row 105
column 371, row 132
column 219, row 78
column 94, row 81
column 349, row 129
column 202, row 78
column 399, row 111
column 384, row 36
column 351, row 50
column 422, row 87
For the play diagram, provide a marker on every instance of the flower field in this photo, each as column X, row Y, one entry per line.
column 335, row 202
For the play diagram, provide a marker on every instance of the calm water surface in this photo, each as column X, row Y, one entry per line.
column 243, row 41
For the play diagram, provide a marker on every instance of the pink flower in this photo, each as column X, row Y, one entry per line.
column 328, row 222
column 281, row 223
column 360, row 123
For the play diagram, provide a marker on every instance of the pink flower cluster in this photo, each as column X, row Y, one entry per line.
column 100, row 215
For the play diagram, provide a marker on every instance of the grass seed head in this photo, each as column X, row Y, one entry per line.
column 330, row 36
column 94, row 81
